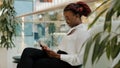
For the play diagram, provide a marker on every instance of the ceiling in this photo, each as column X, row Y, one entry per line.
column 23, row 0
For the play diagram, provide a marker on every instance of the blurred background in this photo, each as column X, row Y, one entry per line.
column 42, row 20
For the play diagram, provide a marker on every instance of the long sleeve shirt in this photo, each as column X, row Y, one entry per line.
column 72, row 44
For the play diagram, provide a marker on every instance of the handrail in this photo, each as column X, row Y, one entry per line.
column 54, row 8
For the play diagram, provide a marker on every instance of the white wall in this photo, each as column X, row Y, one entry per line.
column 3, row 58
column 6, row 60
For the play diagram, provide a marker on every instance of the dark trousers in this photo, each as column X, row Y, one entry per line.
column 35, row 58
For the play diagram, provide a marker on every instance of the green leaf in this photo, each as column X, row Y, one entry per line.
column 118, row 27
column 88, row 45
column 109, row 44
column 96, row 18
column 101, row 5
column 114, row 47
column 103, row 45
column 116, row 5
column 96, row 39
column 108, row 50
column 107, row 25
column 117, row 65
column 118, row 12
column 8, row 23
column 111, row 11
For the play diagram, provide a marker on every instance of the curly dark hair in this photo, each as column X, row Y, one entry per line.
column 80, row 8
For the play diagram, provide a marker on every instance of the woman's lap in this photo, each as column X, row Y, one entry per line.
column 51, row 63
column 39, row 59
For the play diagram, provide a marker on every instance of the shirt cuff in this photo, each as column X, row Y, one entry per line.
column 64, row 57
column 71, row 59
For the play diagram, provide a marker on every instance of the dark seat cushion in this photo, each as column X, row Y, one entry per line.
column 16, row 59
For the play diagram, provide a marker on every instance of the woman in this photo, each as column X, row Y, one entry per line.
column 70, row 51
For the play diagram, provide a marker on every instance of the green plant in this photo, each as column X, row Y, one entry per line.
column 8, row 23
column 51, row 30
column 106, row 41
column 53, row 16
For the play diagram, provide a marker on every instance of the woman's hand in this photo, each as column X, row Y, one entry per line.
column 50, row 52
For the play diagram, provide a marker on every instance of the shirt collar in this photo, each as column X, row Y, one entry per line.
column 76, row 27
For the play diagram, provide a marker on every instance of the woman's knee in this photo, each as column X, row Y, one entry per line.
column 33, row 52
column 27, row 51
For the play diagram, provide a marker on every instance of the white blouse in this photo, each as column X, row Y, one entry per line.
column 72, row 44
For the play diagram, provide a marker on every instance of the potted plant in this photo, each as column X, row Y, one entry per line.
column 8, row 23
column 106, row 41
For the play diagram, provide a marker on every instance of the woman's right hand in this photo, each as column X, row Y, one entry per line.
column 45, row 48
column 50, row 52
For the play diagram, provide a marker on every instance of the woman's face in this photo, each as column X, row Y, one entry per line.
column 71, row 18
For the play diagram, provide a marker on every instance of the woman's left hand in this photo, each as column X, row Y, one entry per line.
column 51, row 53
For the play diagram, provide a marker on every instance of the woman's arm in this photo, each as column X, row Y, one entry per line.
column 50, row 52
